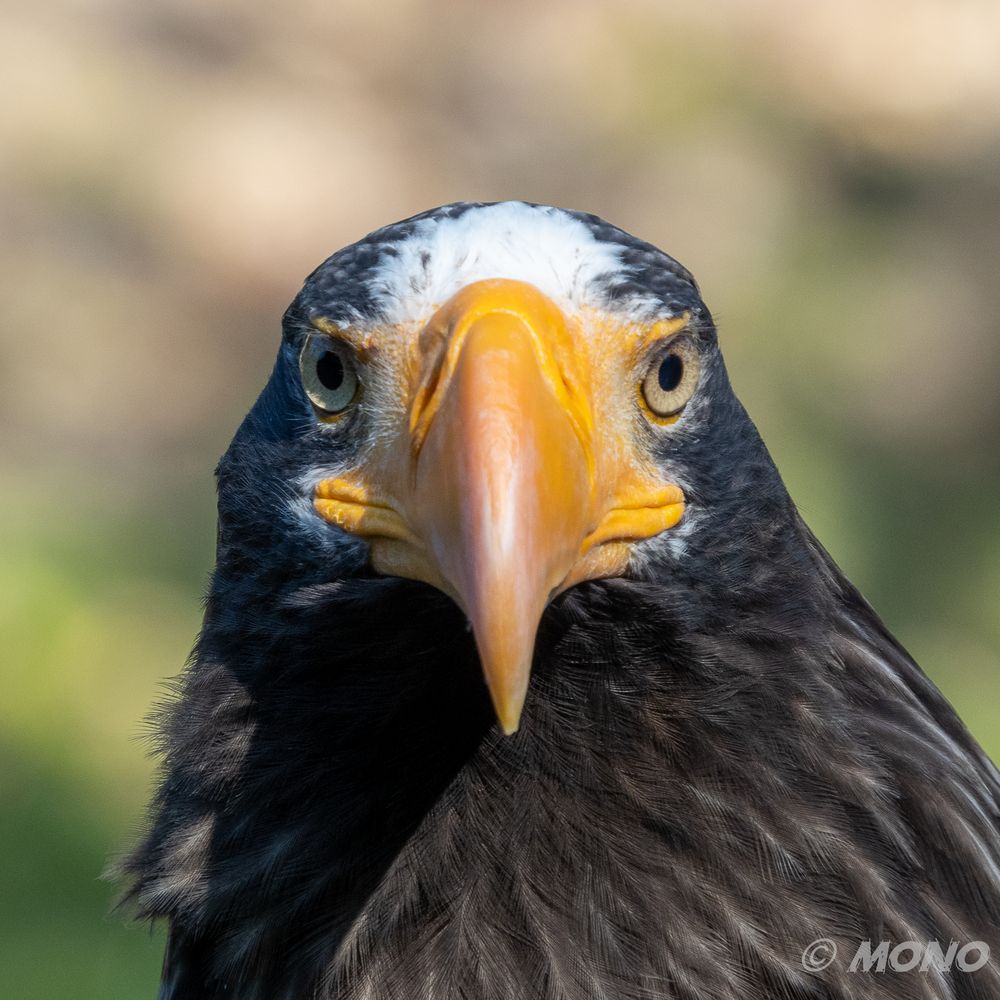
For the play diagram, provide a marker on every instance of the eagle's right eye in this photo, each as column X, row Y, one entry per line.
column 329, row 374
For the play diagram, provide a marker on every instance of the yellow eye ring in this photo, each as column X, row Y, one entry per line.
column 671, row 379
column 329, row 374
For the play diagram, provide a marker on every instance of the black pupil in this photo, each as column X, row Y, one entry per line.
column 671, row 372
column 330, row 370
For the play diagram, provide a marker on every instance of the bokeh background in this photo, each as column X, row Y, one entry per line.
column 169, row 172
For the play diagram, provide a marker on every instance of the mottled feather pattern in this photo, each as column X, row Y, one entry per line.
column 682, row 830
column 724, row 755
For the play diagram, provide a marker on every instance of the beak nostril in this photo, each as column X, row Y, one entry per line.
column 429, row 356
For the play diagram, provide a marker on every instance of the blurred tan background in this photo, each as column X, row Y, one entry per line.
column 170, row 172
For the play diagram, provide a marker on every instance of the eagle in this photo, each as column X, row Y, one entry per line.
column 521, row 677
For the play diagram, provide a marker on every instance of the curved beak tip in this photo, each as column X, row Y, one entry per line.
column 509, row 717
column 507, row 683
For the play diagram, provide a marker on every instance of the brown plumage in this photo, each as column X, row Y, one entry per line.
column 723, row 754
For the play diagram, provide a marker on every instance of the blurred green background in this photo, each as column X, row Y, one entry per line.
column 168, row 174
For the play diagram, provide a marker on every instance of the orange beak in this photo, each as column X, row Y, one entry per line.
column 498, row 496
column 502, row 487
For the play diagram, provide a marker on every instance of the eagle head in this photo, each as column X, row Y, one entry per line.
column 501, row 401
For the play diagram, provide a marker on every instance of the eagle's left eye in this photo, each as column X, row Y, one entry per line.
column 671, row 379
column 329, row 373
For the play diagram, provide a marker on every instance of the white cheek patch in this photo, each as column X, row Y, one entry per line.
column 300, row 509
column 675, row 540
column 322, row 535
column 540, row 245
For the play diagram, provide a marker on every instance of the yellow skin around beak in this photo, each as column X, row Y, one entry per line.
column 501, row 491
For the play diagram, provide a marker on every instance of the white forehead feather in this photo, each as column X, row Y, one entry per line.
column 544, row 246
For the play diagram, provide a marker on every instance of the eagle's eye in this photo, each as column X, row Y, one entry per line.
column 329, row 374
column 671, row 379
